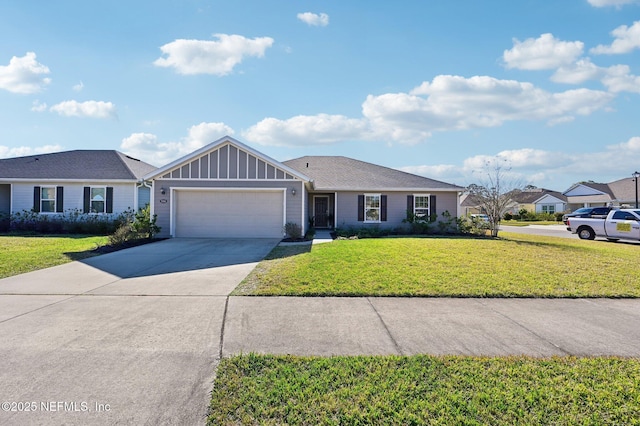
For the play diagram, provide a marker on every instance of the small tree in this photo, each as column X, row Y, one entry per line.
column 494, row 193
column 144, row 224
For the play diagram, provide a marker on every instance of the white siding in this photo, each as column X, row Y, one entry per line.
column 123, row 195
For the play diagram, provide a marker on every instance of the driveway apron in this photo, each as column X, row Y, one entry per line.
column 130, row 337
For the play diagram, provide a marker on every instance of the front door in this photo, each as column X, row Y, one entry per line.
column 320, row 211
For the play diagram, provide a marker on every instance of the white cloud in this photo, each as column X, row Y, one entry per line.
column 303, row 130
column 91, row 109
column 314, row 19
column 78, row 87
column 626, row 40
column 578, row 72
column 24, row 75
column 545, row 52
column 38, row 106
column 21, row 151
column 211, row 57
column 447, row 103
column 435, row 172
column 619, row 79
column 616, row 78
column 549, row 169
column 605, row 3
column 147, row 147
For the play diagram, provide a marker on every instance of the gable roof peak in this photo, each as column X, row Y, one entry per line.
column 225, row 140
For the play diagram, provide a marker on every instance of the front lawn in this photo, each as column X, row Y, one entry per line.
column 527, row 223
column 514, row 265
column 422, row 389
column 20, row 254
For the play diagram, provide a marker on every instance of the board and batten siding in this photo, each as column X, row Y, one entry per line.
column 124, row 195
column 347, row 203
column 163, row 209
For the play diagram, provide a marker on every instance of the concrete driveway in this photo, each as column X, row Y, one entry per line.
column 131, row 337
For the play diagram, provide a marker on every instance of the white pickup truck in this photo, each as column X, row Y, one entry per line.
column 623, row 224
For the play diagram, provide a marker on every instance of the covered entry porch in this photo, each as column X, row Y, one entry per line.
column 322, row 210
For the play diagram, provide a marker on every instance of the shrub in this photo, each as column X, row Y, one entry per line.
column 508, row 216
column 72, row 221
column 311, row 232
column 293, row 230
column 121, row 235
column 144, row 225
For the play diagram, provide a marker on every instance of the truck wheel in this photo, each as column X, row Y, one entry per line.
column 586, row 233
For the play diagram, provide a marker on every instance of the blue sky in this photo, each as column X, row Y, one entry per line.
column 435, row 88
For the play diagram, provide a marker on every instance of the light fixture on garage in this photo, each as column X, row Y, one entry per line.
column 163, row 191
column 293, row 191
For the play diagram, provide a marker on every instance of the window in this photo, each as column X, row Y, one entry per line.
column 619, row 215
column 48, row 199
column 548, row 208
column 98, row 197
column 421, row 207
column 372, row 208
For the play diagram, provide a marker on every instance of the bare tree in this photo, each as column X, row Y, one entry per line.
column 494, row 193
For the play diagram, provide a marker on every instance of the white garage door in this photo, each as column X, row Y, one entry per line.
column 214, row 213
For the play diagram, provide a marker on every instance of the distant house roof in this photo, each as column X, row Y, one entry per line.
column 530, row 196
column 622, row 191
column 78, row 164
column 331, row 173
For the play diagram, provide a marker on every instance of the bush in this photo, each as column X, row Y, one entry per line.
column 72, row 221
column 134, row 227
column 293, row 230
column 508, row 216
column 144, row 225
column 123, row 234
column 311, row 232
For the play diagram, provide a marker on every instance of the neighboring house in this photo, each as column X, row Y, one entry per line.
column 618, row 193
column 89, row 181
column 228, row 189
column 535, row 200
column 538, row 200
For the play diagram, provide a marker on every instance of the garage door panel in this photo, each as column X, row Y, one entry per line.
column 211, row 214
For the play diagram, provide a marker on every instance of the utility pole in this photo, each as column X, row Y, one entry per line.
column 636, row 175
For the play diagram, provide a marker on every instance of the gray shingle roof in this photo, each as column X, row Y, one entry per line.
column 343, row 173
column 529, row 196
column 78, row 164
column 624, row 189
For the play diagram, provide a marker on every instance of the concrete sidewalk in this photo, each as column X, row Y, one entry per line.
column 405, row 326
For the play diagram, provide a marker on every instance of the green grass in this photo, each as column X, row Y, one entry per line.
column 394, row 390
column 514, row 265
column 527, row 223
column 20, row 254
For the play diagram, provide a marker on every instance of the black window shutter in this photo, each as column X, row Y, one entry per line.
column 410, row 204
column 59, row 199
column 109, row 206
column 360, row 208
column 36, row 199
column 86, row 204
column 383, row 208
column 432, row 208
